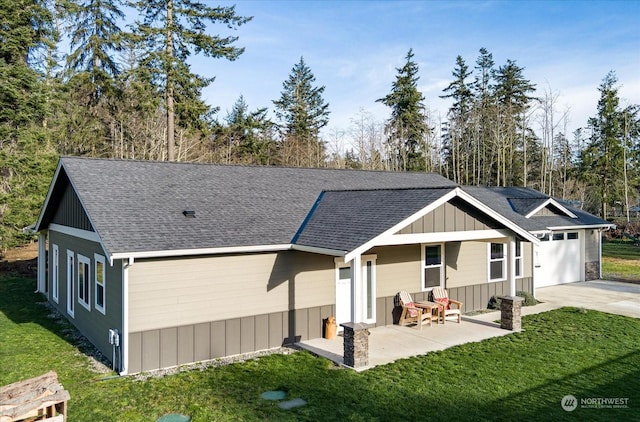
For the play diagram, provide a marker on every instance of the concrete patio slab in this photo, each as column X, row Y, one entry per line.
column 390, row 343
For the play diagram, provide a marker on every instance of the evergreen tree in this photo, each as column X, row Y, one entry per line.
column 247, row 136
column 26, row 157
column 603, row 160
column 483, row 114
column 95, row 37
column 173, row 30
column 460, row 148
column 512, row 96
column 302, row 112
column 407, row 127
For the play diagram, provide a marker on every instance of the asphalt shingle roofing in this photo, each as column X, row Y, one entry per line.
column 138, row 206
column 502, row 200
column 331, row 223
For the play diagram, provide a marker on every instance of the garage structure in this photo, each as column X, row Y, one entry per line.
column 570, row 247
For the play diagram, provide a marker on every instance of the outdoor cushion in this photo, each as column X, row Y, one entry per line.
column 413, row 312
column 444, row 301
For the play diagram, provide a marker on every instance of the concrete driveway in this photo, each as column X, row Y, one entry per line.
column 607, row 296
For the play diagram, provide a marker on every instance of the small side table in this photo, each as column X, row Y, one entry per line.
column 430, row 307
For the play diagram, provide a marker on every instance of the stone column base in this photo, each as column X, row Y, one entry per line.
column 511, row 313
column 356, row 344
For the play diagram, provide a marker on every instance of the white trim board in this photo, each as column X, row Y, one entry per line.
column 553, row 202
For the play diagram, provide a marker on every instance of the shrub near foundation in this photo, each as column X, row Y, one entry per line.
column 529, row 300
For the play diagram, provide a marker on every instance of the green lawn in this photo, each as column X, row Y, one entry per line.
column 620, row 261
column 521, row 376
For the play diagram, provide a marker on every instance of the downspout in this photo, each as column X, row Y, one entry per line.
column 124, row 349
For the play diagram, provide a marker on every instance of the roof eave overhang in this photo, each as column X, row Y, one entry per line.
column 45, row 205
column 576, row 227
column 201, row 251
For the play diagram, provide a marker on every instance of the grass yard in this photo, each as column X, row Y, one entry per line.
column 522, row 376
column 620, row 261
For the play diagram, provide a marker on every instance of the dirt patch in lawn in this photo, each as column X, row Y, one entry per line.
column 21, row 261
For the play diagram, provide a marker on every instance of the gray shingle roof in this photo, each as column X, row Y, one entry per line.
column 502, row 199
column 344, row 220
column 137, row 205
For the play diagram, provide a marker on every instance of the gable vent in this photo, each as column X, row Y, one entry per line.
column 189, row 213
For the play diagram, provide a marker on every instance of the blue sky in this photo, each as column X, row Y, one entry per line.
column 354, row 48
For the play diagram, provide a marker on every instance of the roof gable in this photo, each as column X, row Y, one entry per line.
column 533, row 210
column 344, row 220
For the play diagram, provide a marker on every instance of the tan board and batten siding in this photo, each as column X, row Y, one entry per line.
column 174, row 292
column 448, row 217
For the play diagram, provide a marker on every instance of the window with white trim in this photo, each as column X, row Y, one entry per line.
column 70, row 282
column 518, row 259
column 84, row 283
column 497, row 262
column 432, row 266
column 100, row 283
column 572, row 236
column 55, row 272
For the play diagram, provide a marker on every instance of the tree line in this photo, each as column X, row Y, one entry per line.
column 127, row 91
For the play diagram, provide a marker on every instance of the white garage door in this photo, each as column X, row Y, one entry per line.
column 558, row 259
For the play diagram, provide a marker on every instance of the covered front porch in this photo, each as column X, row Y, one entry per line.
column 392, row 342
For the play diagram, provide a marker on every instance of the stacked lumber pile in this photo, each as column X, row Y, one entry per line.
column 37, row 399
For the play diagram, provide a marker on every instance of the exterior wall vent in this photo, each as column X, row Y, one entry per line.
column 189, row 213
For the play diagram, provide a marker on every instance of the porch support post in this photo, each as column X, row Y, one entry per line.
column 42, row 261
column 356, row 274
column 511, row 267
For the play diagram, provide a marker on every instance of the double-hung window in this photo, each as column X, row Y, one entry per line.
column 497, row 262
column 432, row 266
column 99, row 279
column 84, row 283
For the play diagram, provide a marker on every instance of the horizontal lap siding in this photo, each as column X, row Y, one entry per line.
column 167, row 347
column 466, row 263
column 175, row 292
column 397, row 268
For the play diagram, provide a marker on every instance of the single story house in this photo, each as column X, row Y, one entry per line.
column 160, row 263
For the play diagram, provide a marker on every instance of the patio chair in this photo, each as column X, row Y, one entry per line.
column 410, row 313
column 441, row 296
